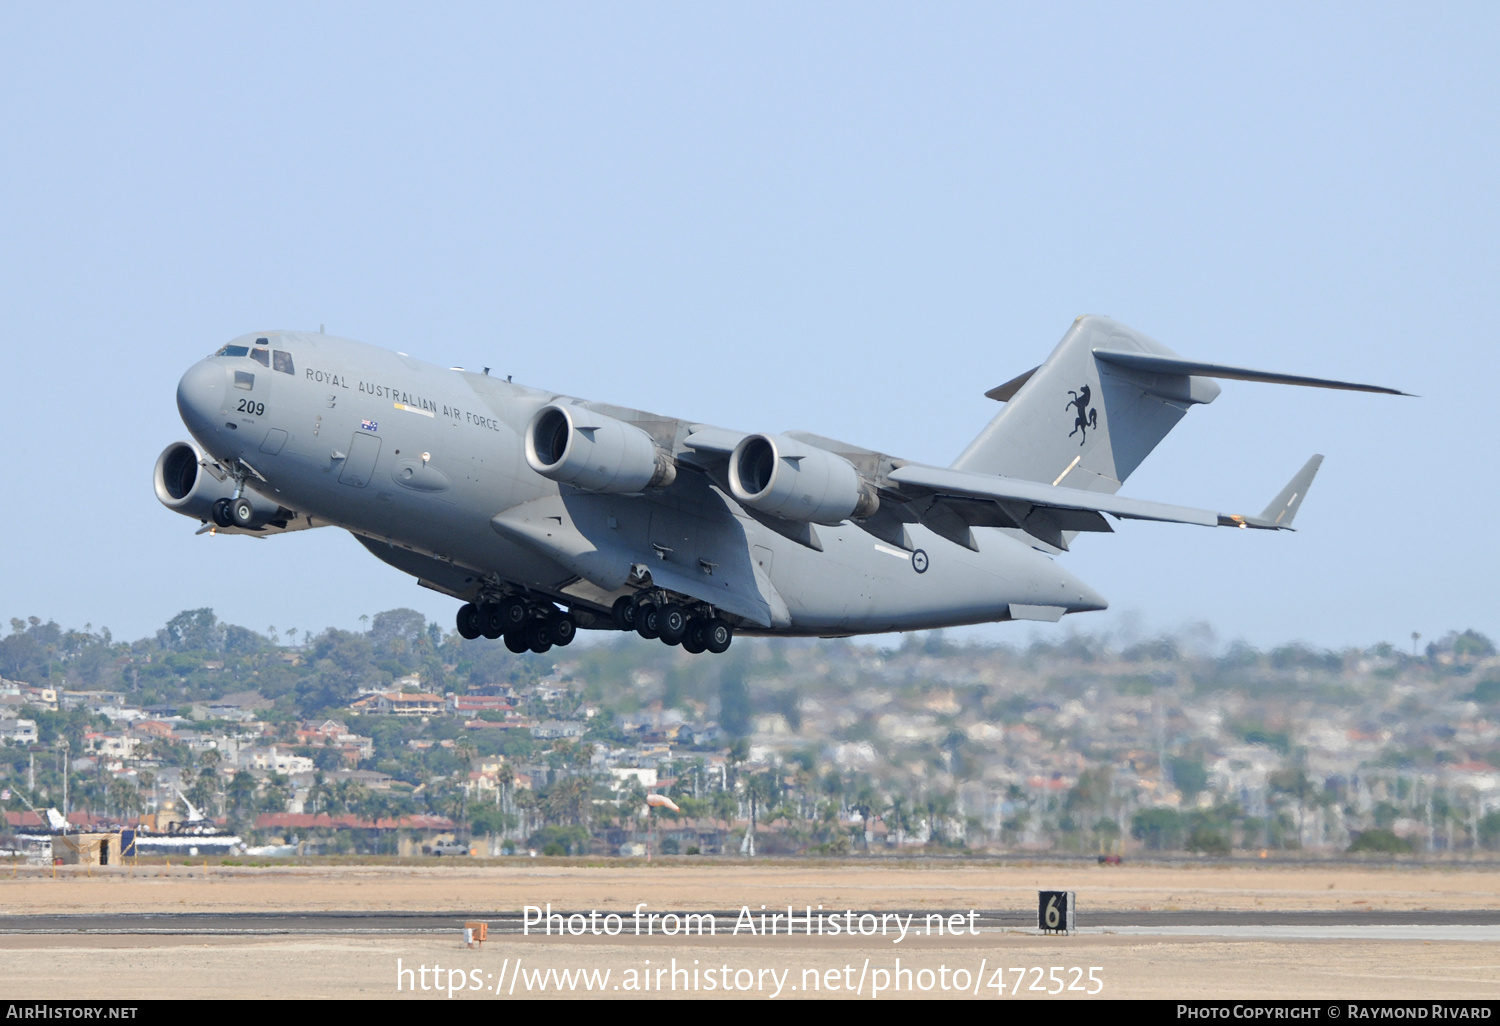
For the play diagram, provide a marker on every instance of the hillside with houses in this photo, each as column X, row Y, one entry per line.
column 400, row 736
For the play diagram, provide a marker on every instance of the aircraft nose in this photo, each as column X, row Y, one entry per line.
column 200, row 397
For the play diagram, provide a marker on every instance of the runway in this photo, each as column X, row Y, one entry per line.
column 1445, row 924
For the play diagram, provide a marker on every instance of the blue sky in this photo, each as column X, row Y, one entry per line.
column 845, row 218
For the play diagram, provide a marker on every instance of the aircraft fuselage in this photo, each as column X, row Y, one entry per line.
column 427, row 467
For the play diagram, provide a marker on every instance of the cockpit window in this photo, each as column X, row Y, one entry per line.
column 233, row 351
column 283, row 361
column 244, row 379
column 261, row 356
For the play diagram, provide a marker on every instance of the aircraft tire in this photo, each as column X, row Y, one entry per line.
column 645, row 621
column 562, row 630
column 623, row 613
column 490, row 624
column 695, row 638
column 220, row 513
column 717, row 635
column 517, row 643
column 671, row 623
column 513, row 613
column 242, row 513
column 468, row 621
column 539, row 636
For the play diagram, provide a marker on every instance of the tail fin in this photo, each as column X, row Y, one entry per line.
column 1105, row 397
column 1082, row 422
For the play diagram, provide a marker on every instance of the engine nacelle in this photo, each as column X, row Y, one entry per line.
column 588, row 450
column 795, row 481
column 184, row 486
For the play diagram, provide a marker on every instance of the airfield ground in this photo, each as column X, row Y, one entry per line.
column 1395, row 931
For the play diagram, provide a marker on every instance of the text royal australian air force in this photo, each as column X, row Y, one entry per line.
column 408, row 401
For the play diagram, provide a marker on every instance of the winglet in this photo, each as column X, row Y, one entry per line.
column 1278, row 515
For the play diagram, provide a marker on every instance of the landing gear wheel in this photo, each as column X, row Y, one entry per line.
column 645, row 621
column 490, row 624
column 695, row 639
column 671, row 623
column 538, row 636
column 242, row 512
column 623, row 613
column 517, row 643
column 513, row 613
column 468, row 621
column 220, row 513
column 717, row 636
column 562, row 630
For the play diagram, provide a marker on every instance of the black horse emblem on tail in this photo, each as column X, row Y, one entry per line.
column 1087, row 418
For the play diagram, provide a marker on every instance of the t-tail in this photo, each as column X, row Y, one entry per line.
column 1103, row 400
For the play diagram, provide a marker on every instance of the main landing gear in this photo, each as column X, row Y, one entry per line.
column 525, row 626
column 696, row 629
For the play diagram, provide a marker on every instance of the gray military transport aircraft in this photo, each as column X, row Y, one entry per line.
column 544, row 514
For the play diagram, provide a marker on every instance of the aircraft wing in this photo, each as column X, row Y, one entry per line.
column 1046, row 511
column 951, row 502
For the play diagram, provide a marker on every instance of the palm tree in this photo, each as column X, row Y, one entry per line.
column 569, row 800
column 760, row 789
column 898, row 816
column 738, row 752
column 865, row 802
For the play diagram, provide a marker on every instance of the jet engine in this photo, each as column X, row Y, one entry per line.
column 184, row 485
column 789, row 479
column 577, row 446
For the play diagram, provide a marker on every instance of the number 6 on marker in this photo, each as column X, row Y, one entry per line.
column 1055, row 911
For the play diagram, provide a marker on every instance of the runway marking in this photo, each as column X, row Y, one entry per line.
column 1403, row 932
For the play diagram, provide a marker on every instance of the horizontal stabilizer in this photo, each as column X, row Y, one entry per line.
column 1153, row 363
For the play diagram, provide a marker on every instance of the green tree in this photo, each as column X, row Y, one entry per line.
column 1380, row 841
column 1189, row 774
column 1160, row 829
column 734, row 702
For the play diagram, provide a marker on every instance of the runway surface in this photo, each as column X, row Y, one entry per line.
column 1474, row 924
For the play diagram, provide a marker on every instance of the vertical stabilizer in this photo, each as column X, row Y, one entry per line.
column 1081, row 422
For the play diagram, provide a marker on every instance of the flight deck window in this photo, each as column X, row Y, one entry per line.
column 282, row 361
column 244, row 379
column 233, row 351
column 261, row 356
